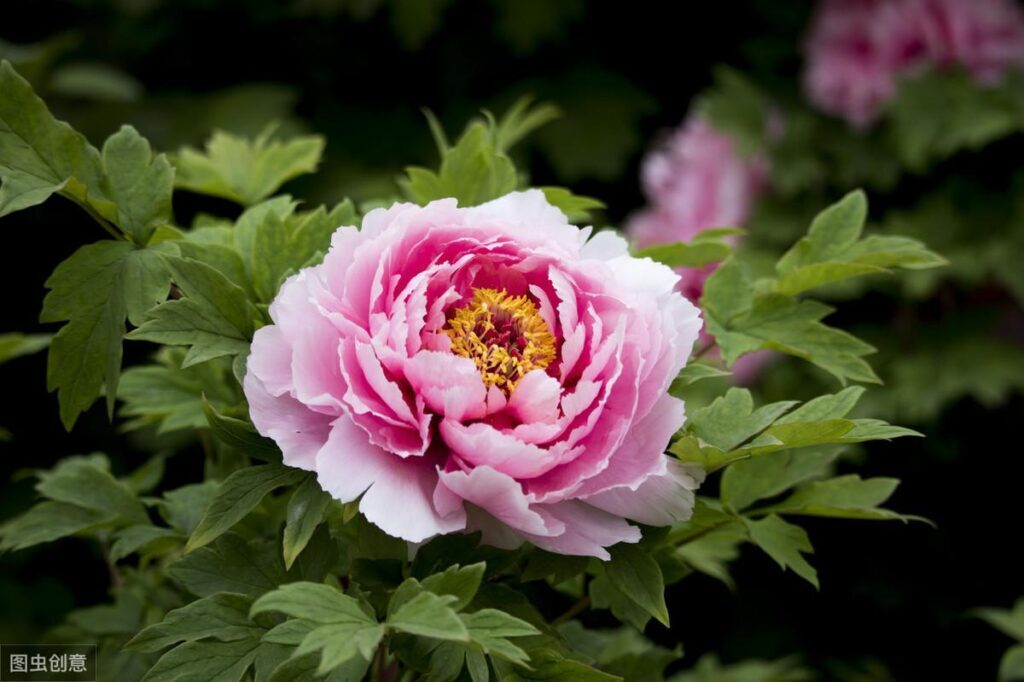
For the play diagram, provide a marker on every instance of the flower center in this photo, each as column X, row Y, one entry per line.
column 504, row 335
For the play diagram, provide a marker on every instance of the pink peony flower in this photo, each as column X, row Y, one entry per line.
column 858, row 49
column 984, row 36
column 484, row 368
column 696, row 181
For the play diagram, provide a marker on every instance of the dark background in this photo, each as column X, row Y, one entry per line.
column 894, row 598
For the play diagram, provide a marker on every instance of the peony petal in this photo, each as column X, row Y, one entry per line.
column 641, row 452
column 661, row 499
column 397, row 494
column 501, row 497
column 481, row 444
column 588, row 531
column 297, row 430
column 450, row 385
column 535, row 398
column 605, row 245
column 270, row 360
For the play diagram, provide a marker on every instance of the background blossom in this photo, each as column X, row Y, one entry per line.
column 697, row 180
column 858, row 49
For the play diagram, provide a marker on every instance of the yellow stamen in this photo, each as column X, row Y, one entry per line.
column 504, row 335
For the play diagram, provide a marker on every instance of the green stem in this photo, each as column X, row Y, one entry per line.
column 576, row 609
column 703, row 350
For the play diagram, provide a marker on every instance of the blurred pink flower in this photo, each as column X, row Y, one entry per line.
column 984, row 36
column 490, row 368
column 697, row 180
column 858, row 49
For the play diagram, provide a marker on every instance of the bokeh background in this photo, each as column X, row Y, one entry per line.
column 895, row 599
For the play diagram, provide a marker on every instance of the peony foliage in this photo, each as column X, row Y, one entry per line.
column 255, row 572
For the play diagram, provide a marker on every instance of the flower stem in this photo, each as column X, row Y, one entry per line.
column 576, row 609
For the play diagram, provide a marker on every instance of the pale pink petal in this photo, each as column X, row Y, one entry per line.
column 270, row 360
column 642, row 449
column 588, row 531
column 535, row 398
column 298, row 431
column 660, row 500
column 481, row 444
column 501, row 497
column 450, row 384
column 397, row 494
column 605, row 245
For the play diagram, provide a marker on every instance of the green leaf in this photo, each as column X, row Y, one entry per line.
column 429, row 615
column 605, row 595
column 732, row 420
column 574, row 206
column 742, row 324
column 138, row 537
column 844, row 497
column 340, row 644
column 708, row 669
column 491, row 628
column 1011, row 668
column 1009, row 621
column 14, row 345
column 746, row 482
column 306, row 509
column 831, row 406
column 170, row 396
column 304, row 669
column 94, row 290
column 474, row 171
column 558, row 567
column 636, row 574
column 237, row 496
column 205, row 661
column 832, row 232
column 239, row 434
column 139, row 184
column 943, row 111
column 39, row 155
column 622, row 651
column 738, row 108
column 290, row 632
column 714, row 550
column 231, row 564
column 521, row 119
column 730, row 429
column 183, row 507
column 447, row 661
column 692, row 373
column 705, row 248
column 550, row 666
column 459, row 582
column 342, row 630
column 48, row 521
column 223, row 616
column 246, row 171
column 86, row 483
column 123, row 617
column 833, row 251
column 275, row 242
column 315, row 602
column 215, row 318
column 784, row 542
